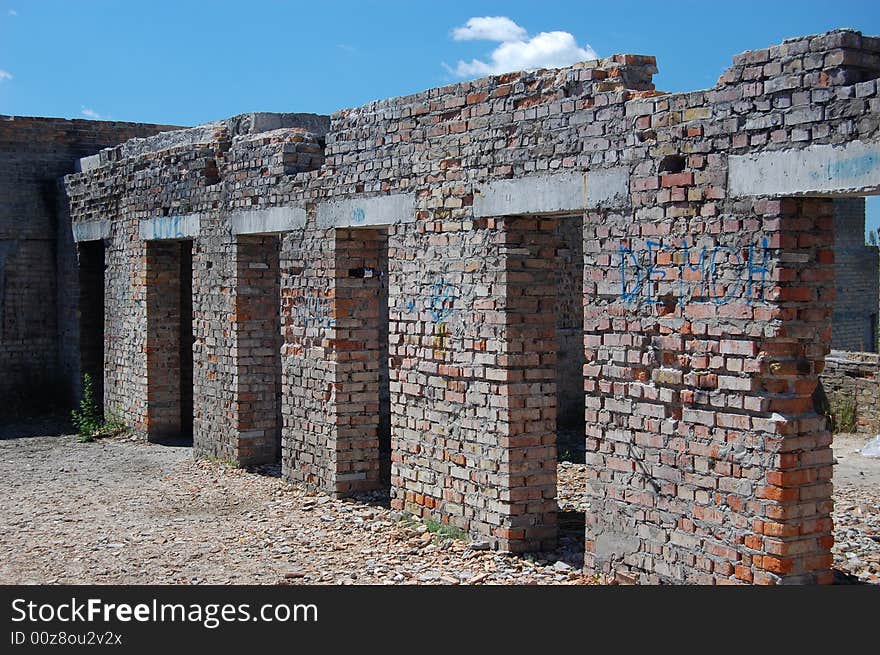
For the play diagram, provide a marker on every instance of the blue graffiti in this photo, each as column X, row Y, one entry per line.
column 637, row 274
column 442, row 300
column 853, row 167
column 313, row 311
column 167, row 227
column 358, row 215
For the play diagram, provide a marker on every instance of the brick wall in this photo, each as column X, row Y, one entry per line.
column 706, row 303
column 853, row 378
column 39, row 340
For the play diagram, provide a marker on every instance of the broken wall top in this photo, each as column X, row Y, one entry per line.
column 603, row 114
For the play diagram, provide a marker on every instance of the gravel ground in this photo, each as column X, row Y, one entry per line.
column 125, row 511
column 122, row 511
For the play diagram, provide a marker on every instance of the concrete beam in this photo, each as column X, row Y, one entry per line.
column 91, row 231
column 86, row 164
column 820, row 170
column 553, row 193
column 170, row 227
column 360, row 212
column 267, row 221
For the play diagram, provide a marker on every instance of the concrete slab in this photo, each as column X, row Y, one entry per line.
column 851, row 169
column 361, row 212
column 553, row 193
column 267, row 221
column 170, row 227
column 91, row 231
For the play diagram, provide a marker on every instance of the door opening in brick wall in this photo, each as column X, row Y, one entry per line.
column 570, row 339
column 570, row 420
column 854, row 322
column 363, row 443
column 257, row 319
column 384, row 384
column 169, row 341
column 186, row 341
column 91, row 308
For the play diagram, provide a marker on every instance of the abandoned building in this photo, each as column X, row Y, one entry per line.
column 420, row 293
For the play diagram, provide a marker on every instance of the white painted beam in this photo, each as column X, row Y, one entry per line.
column 170, row 227
column 91, row 231
column 553, row 193
column 361, row 212
column 267, row 221
column 818, row 170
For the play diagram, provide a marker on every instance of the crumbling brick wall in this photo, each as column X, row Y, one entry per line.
column 852, row 380
column 707, row 294
column 38, row 323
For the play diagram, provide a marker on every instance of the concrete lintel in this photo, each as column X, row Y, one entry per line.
column 850, row 169
column 86, row 164
column 170, row 227
column 267, row 221
column 360, row 212
column 553, row 193
column 91, row 231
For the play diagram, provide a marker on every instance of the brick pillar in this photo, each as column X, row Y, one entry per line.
column 331, row 312
column 707, row 462
column 163, row 339
column 791, row 541
column 307, row 291
column 357, row 352
column 257, row 344
column 528, row 388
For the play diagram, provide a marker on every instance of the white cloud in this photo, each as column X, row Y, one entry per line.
column 90, row 113
column 517, row 51
column 489, row 28
column 5, row 75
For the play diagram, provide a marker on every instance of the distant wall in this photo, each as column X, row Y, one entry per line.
column 38, row 350
column 854, row 324
column 853, row 379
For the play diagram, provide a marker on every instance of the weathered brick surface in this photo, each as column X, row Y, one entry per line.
column 706, row 312
column 853, row 377
column 39, row 339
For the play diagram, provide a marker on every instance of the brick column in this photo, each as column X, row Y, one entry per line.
column 257, row 343
column 527, row 372
column 357, row 351
column 333, row 359
column 791, row 539
column 163, row 339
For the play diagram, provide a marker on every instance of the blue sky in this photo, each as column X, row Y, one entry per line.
column 185, row 62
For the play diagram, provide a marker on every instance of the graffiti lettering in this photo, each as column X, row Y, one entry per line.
column 313, row 310
column 721, row 272
column 442, row 301
column 358, row 216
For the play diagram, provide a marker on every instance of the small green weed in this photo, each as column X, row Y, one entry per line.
column 88, row 419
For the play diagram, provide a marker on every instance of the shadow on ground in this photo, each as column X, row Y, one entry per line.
column 43, row 426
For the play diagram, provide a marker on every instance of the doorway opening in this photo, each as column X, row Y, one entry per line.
column 169, row 341
column 570, row 399
column 91, row 316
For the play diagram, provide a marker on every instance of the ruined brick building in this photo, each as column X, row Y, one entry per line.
column 418, row 294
